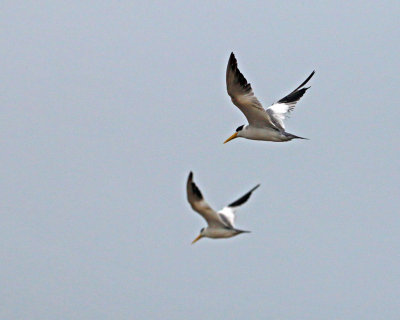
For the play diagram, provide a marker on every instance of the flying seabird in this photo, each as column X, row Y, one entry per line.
column 263, row 124
column 221, row 224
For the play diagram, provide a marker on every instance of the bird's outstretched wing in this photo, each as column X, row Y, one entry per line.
column 280, row 110
column 199, row 205
column 227, row 214
column 243, row 97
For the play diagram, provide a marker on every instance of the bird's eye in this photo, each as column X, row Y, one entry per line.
column 202, row 229
column 239, row 128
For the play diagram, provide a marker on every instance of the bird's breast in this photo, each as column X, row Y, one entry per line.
column 219, row 233
column 265, row 134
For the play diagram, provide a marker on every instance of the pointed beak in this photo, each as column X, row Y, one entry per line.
column 197, row 239
column 231, row 137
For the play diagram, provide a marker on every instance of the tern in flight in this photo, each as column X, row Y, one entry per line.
column 263, row 124
column 221, row 224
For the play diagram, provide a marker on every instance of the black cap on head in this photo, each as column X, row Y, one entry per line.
column 239, row 128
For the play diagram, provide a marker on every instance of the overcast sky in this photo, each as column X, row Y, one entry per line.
column 107, row 106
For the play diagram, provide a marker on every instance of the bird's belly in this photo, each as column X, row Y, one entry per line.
column 220, row 233
column 265, row 134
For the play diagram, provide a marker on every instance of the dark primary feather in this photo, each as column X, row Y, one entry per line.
column 243, row 199
column 294, row 96
column 305, row 81
column 239, row 77
column 195, row 190
column 297, row 93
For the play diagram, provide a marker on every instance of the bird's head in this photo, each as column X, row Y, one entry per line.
column 236, row 134
column 201, row 235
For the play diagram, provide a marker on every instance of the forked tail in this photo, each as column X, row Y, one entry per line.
column 241, row 231
column 292, row 136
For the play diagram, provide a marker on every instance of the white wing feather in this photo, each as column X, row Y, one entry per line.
column 228, row 212
column 280, row 110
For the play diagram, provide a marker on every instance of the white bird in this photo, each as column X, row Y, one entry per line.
column 221, row 224
column 263, row 124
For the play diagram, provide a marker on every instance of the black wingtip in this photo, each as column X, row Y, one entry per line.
column 293, row 96
column 256, row 187
column 297, row 93
column 305, row 81
column 239, row 77
column 232, row 63
column 196, row 191
column 190, row 177
column 243, row 198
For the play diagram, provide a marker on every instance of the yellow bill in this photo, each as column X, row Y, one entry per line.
column 231, row 137
column 197, row 239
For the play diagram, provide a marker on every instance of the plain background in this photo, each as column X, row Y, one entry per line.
column 107, row 105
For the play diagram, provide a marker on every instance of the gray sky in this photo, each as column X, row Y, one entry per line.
column 106, row 107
